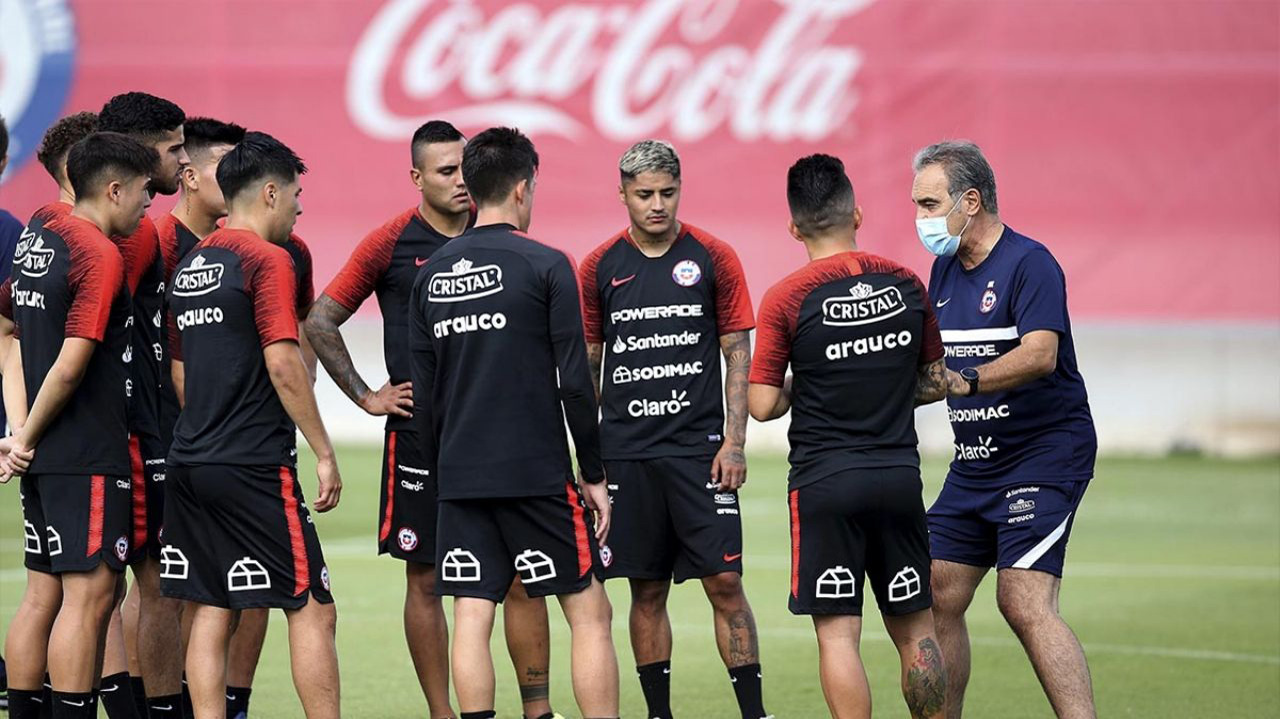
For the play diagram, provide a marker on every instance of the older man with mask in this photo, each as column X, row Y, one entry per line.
column 1024, row 437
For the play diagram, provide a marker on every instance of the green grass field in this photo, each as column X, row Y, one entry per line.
column 1173, row 585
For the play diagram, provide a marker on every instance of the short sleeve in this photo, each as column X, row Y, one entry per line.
column 931, row 343
column 1039, row 294
column 272, row 288
column 303, row 270
column 96, row 275
column 6, row 298
column 592, row 326
column 368, row 263
column 139, row 251
column 773, row 340
column 733, row 300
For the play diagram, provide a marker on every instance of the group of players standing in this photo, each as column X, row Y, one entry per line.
column 494, row 343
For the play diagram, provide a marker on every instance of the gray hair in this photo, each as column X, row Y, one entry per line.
column 965, row 167
column 649, row 156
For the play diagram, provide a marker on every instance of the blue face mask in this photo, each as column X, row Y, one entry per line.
column 934, row 234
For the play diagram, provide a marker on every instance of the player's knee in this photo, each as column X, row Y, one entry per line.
column 420, row 580
column 649, row 597
column 1020, row 611
column 949, row 600
column 724, row 590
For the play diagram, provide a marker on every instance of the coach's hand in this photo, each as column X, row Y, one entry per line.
column 330, row 484
column 729, row 468
column 396, row 399
column 597, row 498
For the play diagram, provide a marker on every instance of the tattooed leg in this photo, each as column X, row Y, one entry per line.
column 924, row 680
column 528, row 637
column 735, row 625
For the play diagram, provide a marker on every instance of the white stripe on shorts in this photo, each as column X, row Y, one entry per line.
column 1038, row 551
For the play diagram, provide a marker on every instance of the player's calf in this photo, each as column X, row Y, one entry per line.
column 595, row 664
column 924, row 680
column 313, row 657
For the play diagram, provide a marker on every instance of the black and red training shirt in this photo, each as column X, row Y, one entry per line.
column 660, row 320
column 855, row 329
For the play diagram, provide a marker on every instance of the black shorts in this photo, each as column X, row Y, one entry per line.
column 485, row 543
column 240, row 538
column 407, row 510
column 146, row 457
column 73, row 522
column 856, row 523
column 670, row 519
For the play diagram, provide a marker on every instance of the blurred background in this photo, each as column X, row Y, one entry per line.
column 1137, row 139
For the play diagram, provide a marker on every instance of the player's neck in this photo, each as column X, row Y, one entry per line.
column 505, row 214
column 654, row 245
column 820, row 248
column 201, row 224
column 251, row 223
column 90, row 212
column 449, row 225
column 983, row 234
column 66, row 195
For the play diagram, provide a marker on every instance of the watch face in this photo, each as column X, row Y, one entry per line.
column 969, row 373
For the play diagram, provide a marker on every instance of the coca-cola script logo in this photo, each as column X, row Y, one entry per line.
column 681, row 68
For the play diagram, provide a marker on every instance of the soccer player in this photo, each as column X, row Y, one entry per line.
column 498, row 365
column 1025, row 442
column 195, row 216
column 238, row 534
column 863, row 347
column 663, row 296
column 386, row 263
column 65, row 385
column 157, row 123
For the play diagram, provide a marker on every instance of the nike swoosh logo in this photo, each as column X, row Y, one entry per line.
column 73, row 704
column 620, row 282
column 418, row 261
column 164, row 709
column 105, row 690
column 943, row 302
column 732, row 557
column 231, row 697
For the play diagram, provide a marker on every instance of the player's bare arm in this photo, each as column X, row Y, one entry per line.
column 767, row 401
column 931, row 383
column 58, row 386
column 15, row 389
column 1035, row 357
column 730, row 464
column 595, row 359
column 6, row 338
column 322, row 332
column 178, row 371
column 289, row 377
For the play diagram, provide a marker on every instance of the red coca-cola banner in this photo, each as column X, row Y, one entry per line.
column 1137, row 139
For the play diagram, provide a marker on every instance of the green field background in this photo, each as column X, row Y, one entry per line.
column 1172, row 584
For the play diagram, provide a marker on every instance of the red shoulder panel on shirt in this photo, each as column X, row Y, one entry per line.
column 733, row 298
column 592, row 320
column 370, row 260
column 95, row 275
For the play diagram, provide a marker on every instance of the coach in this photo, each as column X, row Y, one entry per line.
column 1024, row 437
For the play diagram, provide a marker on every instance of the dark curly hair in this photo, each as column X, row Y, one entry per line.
column 139, row 114
column 57, row 141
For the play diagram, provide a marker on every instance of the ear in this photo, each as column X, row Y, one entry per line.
column 271, row 194
column 622, row 194
column 522, row 192
column 857, row 217
column 114, row 190
column 972, row 202
column 795, row 231
column 415, row 176
column 190, row 178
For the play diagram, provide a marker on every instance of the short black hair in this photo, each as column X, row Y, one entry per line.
column 140, row 115
column 495, row 161
column 819, row 194
column 105, row 156
column 202, row 133
column 258, row 156
column 4, row 139
column 432, row 131
column 57, row 141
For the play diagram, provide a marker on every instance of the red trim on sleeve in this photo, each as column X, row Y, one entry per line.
column 306, row 284
column 97, row 509
column 167, row 242
column 139, row 251
column 580, row 537
column 138, row 490
column 297, row 544
column 95, row 276
column 733, row 298
column 367, row 264
column 270, row 282
column 589, row 291
column 385, row 530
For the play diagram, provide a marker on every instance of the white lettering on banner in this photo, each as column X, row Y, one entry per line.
column 464, row 282
column 863, row 306
column 519, row 65
column 657, row 312
column 469, row 323
column 972, row 351
column 199, row 316
column 623, row 375
column 868, row 345
column 637, row 344
column 979, row 414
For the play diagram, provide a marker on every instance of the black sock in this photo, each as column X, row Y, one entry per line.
column 116, row 694
column 746, row 684
column 25, row 703
column 487, row 714
column 169, row 705
column 74, row 705
column 187, row 709
column 655, row 682
column 238, row 701
column 46, row 696
column 139, row 696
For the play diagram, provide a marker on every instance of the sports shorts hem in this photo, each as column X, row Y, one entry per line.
column 297, row 603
